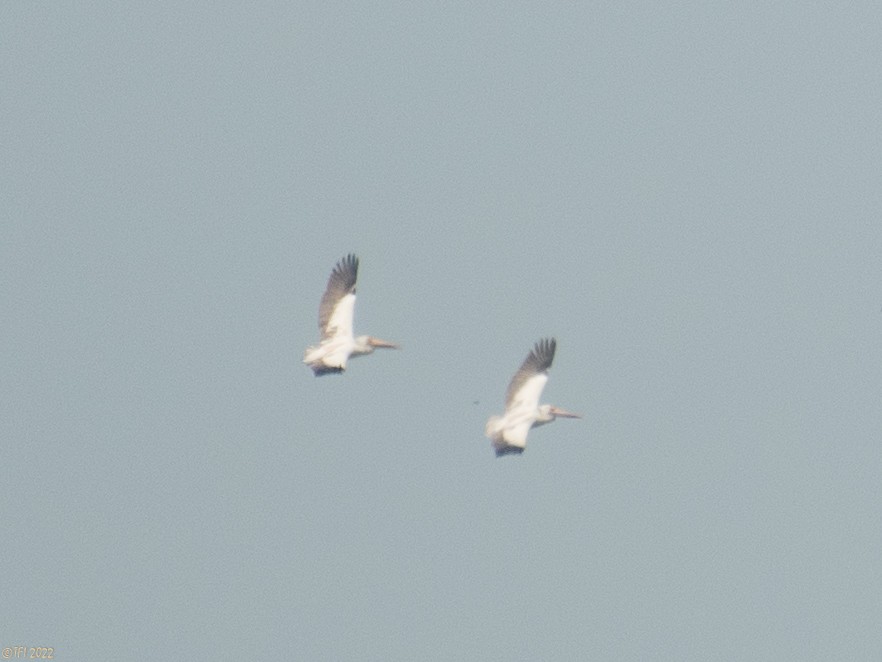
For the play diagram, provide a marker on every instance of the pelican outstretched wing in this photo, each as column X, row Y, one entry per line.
column 338, row 302
column 527, row 384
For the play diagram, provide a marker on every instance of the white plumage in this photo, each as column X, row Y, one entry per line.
column 336, row 313
column 508, row 432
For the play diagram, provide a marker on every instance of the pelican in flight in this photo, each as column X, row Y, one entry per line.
column 335, row 322
column 522, row 411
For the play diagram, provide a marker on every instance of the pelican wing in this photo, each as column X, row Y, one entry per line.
column 338, row 302
column 526, row 386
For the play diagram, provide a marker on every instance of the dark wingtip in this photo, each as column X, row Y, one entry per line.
column 327, row 370
column 350, row 261
column 509, row 450
column 546, row 345
column 543, row 351
column 347, row 269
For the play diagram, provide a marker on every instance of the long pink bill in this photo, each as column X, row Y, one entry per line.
column 563, row 413
column 376, row 342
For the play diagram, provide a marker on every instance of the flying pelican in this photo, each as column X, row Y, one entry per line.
column 335, row 322
column 522, row 411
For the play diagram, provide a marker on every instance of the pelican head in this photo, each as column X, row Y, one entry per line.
column 367, row 344
column 548, row 413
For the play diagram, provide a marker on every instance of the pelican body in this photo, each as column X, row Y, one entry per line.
column 336, row 312
column 508, row 432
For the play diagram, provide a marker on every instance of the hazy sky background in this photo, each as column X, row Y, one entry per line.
column 688, row 197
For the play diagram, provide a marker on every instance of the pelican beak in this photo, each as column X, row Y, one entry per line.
column 563, row 413
column 376, row 342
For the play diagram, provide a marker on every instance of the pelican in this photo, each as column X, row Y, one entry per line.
column 335, row 322
column 522, row 411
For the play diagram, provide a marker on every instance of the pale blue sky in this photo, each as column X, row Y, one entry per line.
column 688, row 198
